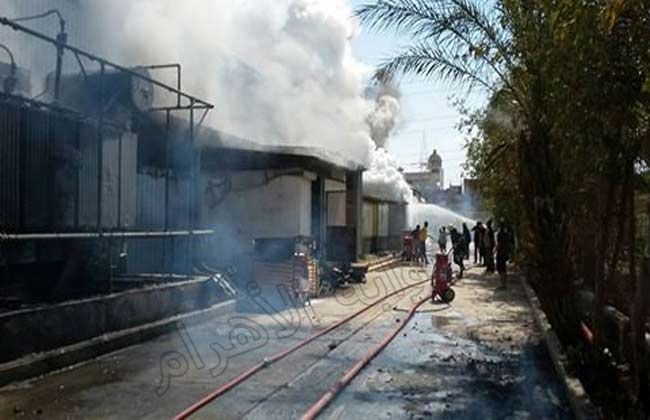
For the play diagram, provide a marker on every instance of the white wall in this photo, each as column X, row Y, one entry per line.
column 334, row 185
column 368, row 225
column 336, row 209
column 382, row 222
column 258, row 205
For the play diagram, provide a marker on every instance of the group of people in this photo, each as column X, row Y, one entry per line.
column 492, row 248
column 490, row 244
column 419, row 237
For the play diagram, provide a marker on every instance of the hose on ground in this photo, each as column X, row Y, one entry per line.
column 329, row 396
column 280, row 355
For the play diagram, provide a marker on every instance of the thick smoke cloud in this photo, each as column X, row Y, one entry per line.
column 278, row 71
column 386, row 112
column 384, row 180
column 384, row 119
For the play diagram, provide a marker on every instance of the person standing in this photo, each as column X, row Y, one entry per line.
column 415, row 244
column 478, row 243
column 488, row 248
column 458, row 242
column 503, row 245
column 467, row 238
column 422, row 239
column 442, row 239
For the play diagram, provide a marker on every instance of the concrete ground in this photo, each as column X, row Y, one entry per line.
column 480, row 357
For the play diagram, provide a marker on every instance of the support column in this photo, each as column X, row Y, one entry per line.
column 319, row 214
column 354, row 209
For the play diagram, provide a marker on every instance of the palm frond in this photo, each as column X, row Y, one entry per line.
column 446, row 30
column 407, row 16
column 429, row 61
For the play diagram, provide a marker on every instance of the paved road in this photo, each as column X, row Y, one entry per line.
column 478, row 358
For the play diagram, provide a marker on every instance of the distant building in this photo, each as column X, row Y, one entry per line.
column 434, row 165
column 428, row 183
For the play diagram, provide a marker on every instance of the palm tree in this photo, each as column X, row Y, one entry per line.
column 498, row 48
column 461, row 42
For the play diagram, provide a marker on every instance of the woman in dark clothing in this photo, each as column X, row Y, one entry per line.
column 503, row 254
column 478, row 243
column 488, row 251
column 467, row 238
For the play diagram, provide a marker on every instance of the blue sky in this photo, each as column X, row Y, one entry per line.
column 428, row 116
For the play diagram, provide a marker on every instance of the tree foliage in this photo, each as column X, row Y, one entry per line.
column 558, row 147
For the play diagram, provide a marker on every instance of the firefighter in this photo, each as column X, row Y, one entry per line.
column 423, row 235
column 458, row 243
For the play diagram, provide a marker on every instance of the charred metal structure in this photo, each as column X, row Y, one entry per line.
column 109, row 174
column 120, row 212
column 90, row 170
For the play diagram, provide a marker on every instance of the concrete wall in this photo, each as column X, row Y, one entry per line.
column 397, row 224
column 368, row 225
column 354, row 207
column 336, row 203
column 336, row 209
column 334, row 185
column 375, row 219
column 258, row 204
column 376, row 227
column 48, row 327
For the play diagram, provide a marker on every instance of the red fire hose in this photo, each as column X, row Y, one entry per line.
column 282, row 354
column 329, row 396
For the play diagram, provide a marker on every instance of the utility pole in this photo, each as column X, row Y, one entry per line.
column 423, row 150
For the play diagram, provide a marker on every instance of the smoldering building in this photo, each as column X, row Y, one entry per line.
column 119, row 205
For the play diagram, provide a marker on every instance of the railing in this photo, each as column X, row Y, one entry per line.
column 184, row 103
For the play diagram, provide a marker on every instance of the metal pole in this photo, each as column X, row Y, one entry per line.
column 119, row 183
column 109, row 243
column 15, row 26
column 77, row 187
column 167, row 169
column 178, row 85
column 98, row 235
column 193, row 188
column 61, row 40
column 100, row 149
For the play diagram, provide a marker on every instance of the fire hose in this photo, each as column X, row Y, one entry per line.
column 284, row 353
column 345, row 380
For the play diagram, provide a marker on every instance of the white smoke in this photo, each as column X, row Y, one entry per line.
column 383, row 179
column 278, row 71
column 384, row 119
column 436, row 216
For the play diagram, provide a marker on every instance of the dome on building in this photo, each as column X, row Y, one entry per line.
column 435, row 162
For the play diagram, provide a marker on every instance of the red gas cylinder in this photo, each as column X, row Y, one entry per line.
column 442, row 279
column 441, row 267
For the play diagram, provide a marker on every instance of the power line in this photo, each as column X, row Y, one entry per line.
column 440, row 152
column 436, row 118
column 419, row 132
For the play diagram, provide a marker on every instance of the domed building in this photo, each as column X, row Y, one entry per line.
column 428, row 183
column 435, row 167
